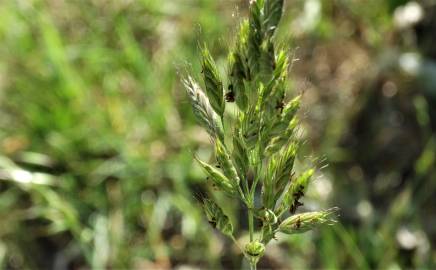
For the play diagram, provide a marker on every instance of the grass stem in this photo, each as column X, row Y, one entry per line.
column 250, row 222
column 251, row 229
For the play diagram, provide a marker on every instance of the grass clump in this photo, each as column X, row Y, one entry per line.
column 258, row 157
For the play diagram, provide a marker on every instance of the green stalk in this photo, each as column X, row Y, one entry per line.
column 251, row 228
column 253, row 265
column 250, row 223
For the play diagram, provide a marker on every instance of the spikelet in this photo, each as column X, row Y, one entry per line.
column 267, row 216
column 278, row 174
column 290, row 110
column 268, row 233
column 268, row 185
column 307, row 221
column 236, row 88
column 254, row 250
column 295, row 192
column 217, row 218
column 279, row 126
column 282, row 139
column 218, row 178
column 239, row 69
column 212, row 82
column 282, row 64
column 273, row 10
column 225, row 162
column 283, row 170
column 203, row 111
column 255, row 37
column 276, row 87
column 267, row 60
column 249, row 122
column 240, row 155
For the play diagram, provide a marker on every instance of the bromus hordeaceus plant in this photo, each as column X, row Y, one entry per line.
column 263, row 144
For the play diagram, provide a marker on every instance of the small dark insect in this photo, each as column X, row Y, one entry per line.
column 280, row 105
column 298, row 203
column 230, row 96
column 218, row 166
column 212, row 222
column 274, row 65
column 298, row 224
column 294, row 206
column 298, row 194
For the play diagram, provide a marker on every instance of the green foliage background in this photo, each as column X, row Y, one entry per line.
column 97, row 135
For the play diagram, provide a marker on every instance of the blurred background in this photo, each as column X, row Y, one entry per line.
column 97, row 136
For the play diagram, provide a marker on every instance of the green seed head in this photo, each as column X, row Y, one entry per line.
column 239, row 154
column 264, row 142
column 278, row 174
column 249, row 122
column 213, row 83
column 290, row 110
column 219, row 179
column 238, row 74
column 273, row 10
column 216, row 217
column 225, row 162
column 203, row 111
column 255, row 36
column 280, row 140
column 295, row 192
column 255, row 249
column 307, row 221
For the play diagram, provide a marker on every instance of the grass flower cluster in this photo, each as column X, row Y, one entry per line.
column 255, row 161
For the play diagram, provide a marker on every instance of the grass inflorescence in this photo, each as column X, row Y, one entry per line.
column 263, row 145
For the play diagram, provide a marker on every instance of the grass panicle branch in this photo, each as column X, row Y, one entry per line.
column 217, row 218
column 307, row 221
column 212, row 82
column 264, row 144
column 203, row 111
